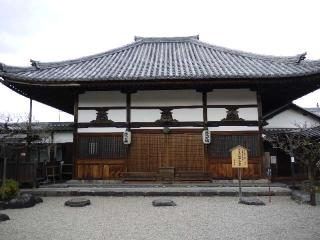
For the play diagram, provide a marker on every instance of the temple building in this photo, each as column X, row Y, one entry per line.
column 161, row 105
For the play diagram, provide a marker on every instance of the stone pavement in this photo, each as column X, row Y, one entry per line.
column 144, row 189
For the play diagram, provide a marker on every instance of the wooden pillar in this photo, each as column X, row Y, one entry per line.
column 4, row 173
column 204, row 109
column 128, row 109
column 29, row 133
column 75, row 135
column 205, row 125
column 128, row 121
column 260, row 122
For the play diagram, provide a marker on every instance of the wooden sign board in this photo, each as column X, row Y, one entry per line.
column 239, row 156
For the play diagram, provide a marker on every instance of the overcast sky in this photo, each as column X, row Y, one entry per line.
column 56, row 30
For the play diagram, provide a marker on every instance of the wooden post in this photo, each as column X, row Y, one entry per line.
column 240, row 187
column 204, row 109
column 205, row 125
column 29, row 131
column 128, row 109
column 259, row 102
column 4, row 176
column 75, row 134
column 128, row 120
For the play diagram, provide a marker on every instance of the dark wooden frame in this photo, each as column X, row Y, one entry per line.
column 173, row 106
column 170, row 124
column 75, row 135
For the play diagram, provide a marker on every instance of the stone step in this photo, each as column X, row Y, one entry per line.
column 159, row 191
column 146, row 184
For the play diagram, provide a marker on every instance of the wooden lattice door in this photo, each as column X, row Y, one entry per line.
column 150, row 151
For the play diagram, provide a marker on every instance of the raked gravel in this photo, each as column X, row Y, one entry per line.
column 133, row 218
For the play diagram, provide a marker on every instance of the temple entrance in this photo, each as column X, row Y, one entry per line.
column 150, row 151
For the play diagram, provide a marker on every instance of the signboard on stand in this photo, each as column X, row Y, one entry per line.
column 239, row 158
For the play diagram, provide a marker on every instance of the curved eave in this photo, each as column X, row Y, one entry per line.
column 77, row 82
column 61, row 98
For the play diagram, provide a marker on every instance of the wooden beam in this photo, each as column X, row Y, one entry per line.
column 173, row 107
column 171, row 124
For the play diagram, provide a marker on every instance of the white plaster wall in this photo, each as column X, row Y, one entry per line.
column 216, row 114
column 166, row 98
column 291, row 118
column 232, row 97
column 249, row 114
column 102, row 99
column 101, row 130
column 188, row 115
column 62, row 137
column 145, row 115
column 117, row 115
column 233, row 128
column 151, row 115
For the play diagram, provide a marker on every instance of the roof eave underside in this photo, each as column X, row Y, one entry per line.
column 275, row 91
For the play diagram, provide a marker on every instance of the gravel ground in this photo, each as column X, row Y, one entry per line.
column 135, row 218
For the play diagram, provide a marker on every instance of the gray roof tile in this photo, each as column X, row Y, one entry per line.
column 165, row 58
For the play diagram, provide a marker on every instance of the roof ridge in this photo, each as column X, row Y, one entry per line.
column 44, row 65
column 165, row 39
column 138, row 41
column 290, row 59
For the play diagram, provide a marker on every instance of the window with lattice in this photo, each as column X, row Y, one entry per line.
column 101, row 147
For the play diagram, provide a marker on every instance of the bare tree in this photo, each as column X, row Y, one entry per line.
column 304, row 146
column 6, row 130
column 14, row 130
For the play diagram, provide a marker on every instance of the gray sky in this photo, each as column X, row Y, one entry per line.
column 56, row 30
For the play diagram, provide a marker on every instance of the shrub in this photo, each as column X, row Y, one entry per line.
column 11, row 189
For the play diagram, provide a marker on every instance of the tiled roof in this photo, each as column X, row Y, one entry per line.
column 314, row 110
column 37, row 126
column 165, row 58
column 307, row 132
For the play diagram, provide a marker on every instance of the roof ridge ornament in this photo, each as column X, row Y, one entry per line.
column 301, row 57
column 3, row 67
column 35, row 64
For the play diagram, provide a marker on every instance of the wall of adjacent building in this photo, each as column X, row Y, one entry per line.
column 63, row 137
column 292, row 118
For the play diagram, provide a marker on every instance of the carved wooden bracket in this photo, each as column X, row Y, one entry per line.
column 102, row 116
column 232, row 114
column 166, row 116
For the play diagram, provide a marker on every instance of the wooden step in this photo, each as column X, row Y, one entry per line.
column 192, row 176
column 139, row 176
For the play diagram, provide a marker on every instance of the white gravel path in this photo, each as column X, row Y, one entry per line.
column 135, row 218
